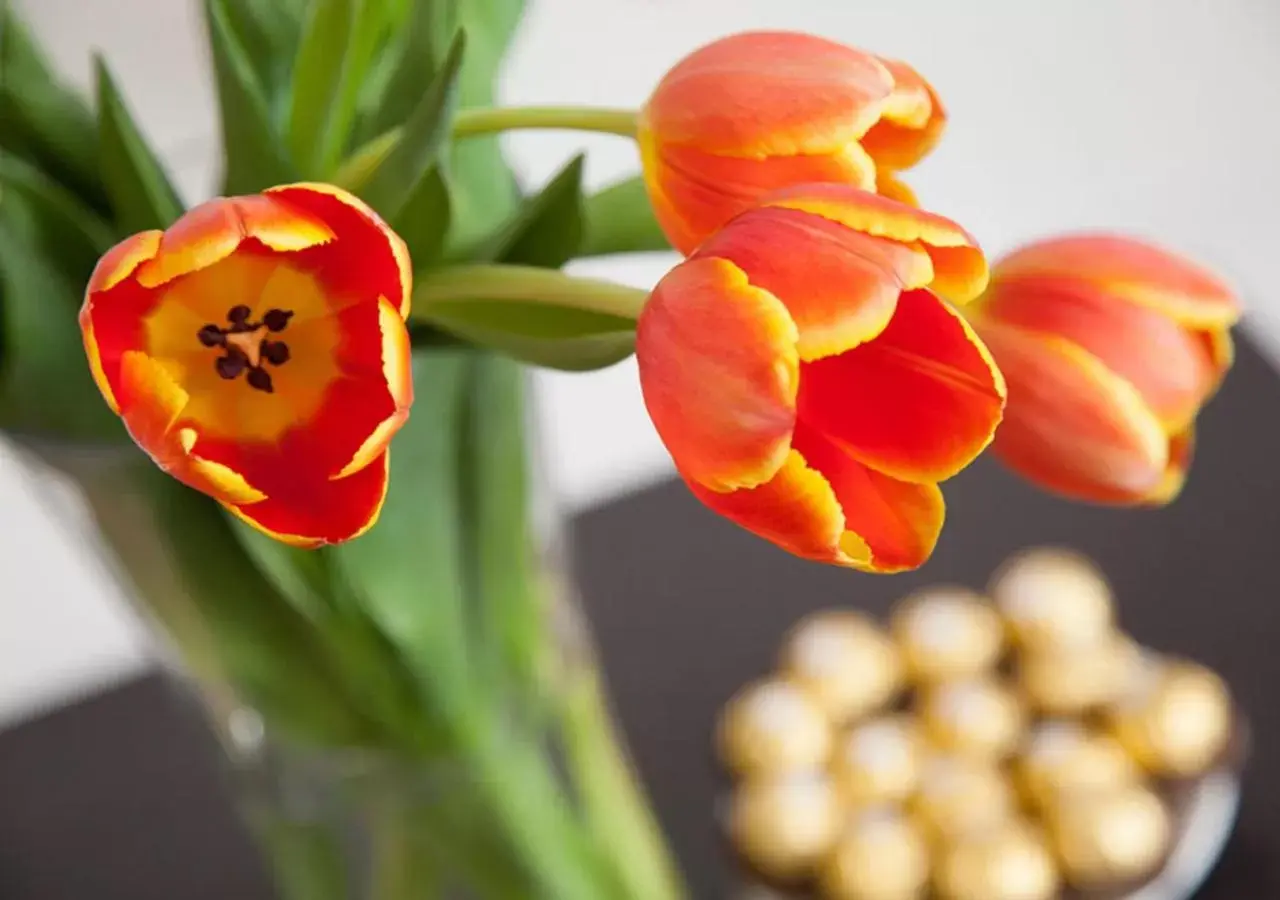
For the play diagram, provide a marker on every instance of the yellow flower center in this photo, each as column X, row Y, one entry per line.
column 221, row 334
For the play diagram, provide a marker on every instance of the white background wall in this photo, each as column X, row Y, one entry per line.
column 1160, row 117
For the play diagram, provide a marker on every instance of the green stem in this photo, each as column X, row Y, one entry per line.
column 525, row 284
column 492, row 120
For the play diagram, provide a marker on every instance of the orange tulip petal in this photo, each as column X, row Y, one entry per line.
column 1221, row 349
column 889, row 185
column 795, row 509
column 1170, row 366
column 1072, row 425
column 917, row 403
column 204, row 235
column 367, row 259
column 694, row 193
column 912, row 122
column 122, row 260
column 761, row 94
column 960, row 269
column 840, row 286
column 279, row 226
column 1131, row 269
column 1181, row 451
column 326, row 513
column 896, row 521
column 718, row 369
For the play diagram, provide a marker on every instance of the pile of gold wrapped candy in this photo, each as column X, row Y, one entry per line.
column 1016, row 746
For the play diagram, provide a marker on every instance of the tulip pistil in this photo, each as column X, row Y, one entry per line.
column 247, row 346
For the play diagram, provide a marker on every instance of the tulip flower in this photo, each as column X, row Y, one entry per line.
column 257, row 351
column 1110, row 347
column 760, row 111
column 809, row 382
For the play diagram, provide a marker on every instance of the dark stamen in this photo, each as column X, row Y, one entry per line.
column 260, row 379
column 275, row 352
column 238, row 316
column 277, row 319
column 231, row 365
column 211, row 336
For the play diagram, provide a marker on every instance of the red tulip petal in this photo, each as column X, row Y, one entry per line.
column 897, row 523
column 840, row 286
column 960, row 269
column 367, row 260
column 694, row 193
column 917, row 403
column 1171, row 367
column 1072, row 425
column 324, row 513
column 912, row 122
column 1131, row 269
column 718, row 368
column 763, row 94
column 122, row 260
column 795, row 509
column 204, row 235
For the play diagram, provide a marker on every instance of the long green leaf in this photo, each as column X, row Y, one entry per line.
column 570, row 353
column 269, row 33
column 423, row 221
column 45, row 387
column 254, row 159
column 547, row 231
column 421, row 139
column 142, row 196
column 69, row 233
column 619, row 219
column 414, row 63
column 42, row 120
column 407, row 571
column 333, row 60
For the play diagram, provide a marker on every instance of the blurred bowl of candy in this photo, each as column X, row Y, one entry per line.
column 1008, row 745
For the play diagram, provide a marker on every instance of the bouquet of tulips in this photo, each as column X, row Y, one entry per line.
column 225, row 384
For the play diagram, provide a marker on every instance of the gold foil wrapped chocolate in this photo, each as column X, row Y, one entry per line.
column 1010, row 862
column 878, row 761
column 1064, row 758
column 845, row 661
column 881, row 856
column 947, row 632
column 785, row 825
column 773, row 726
column 1176, row 720
column 1054, row 600
column 961, row 795
column 977, row 716
column 1075, row 682
column 1110, row 837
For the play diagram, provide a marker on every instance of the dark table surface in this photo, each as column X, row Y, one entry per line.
column 118, row 797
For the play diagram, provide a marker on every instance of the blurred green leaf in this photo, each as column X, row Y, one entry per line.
column 45, row 386
column 269, row 33
column 43, row 121
column 68, row 232
column 547, row 230
column 619, row 219
column 423, row 221
column 413, row 62
column 554, row 337
column 253, row 153
column 421, row 139
column 332, row 62
column 406, row 573
column 142, row 196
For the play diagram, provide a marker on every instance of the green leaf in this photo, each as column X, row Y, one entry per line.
column 553, row 337
column 68, row 232
column 406, row 572
column 423, row 221
column 333, row 59
column 412, row 64
column 142, row 196
column 43, row 121
column 269, row 33
column 547, row 231
column 619, row 219
column 421, row 138
column 254, row 157
column 45, row 386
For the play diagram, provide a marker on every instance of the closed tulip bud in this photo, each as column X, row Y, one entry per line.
column 755, row 112
column 1110, row 348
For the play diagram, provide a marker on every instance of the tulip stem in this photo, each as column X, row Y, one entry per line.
column 491, row 120
column 524, row 284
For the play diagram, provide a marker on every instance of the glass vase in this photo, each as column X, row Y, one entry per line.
column 489, row 769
